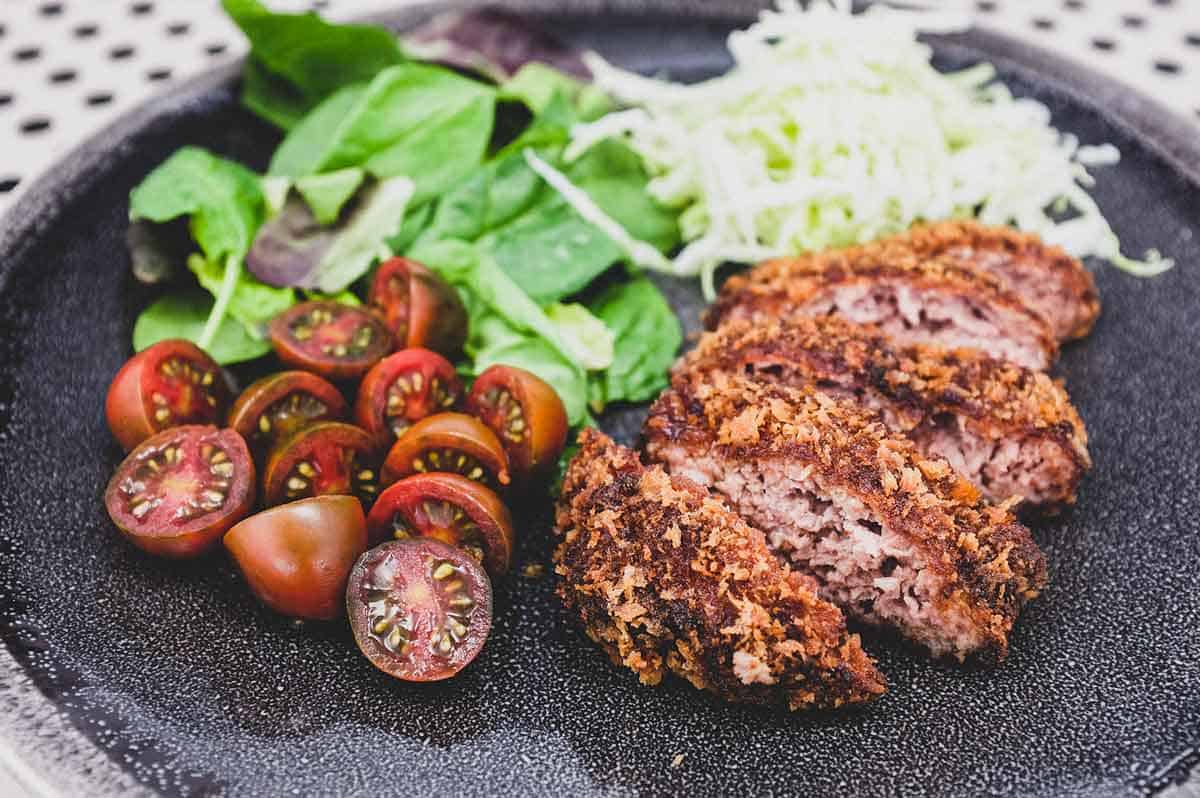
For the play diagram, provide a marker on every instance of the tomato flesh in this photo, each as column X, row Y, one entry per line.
column 180, row 490
column 420, row 308
column 403, row 388
column 330, row 339
column 420, row 610
column 165, row 385
column 322, row 459
column 448, row 442
column 525, row 413
column 278, row 406
column 297, row 557
column 449, row 508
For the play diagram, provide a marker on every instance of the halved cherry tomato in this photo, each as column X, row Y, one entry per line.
column 452, row 442
column 178, row 491
column 420, row 610
column 323, row 458
column 525, row 413
column 277, row 406
column 402, row 388
column 165, row 385
column 331, row 339
column 449, row 508
column 419, row 307
column 297, row 557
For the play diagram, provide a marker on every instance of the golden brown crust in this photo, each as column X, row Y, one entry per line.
column 1072, row 304
column 666, row 578
column 986, row 563
column 777, row 288
column 917, row 384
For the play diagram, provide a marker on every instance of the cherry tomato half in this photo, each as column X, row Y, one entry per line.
column 452, row 442
column 402, row 388
column 420, row 308
column 448, row 508
column 165, row 385
column 178, row 491
column 297, row 557
column 324, row 458
column 420, row 610
column 333, row 340
column 277, row 406
column 525, row 413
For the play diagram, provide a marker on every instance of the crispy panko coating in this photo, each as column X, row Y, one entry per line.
column 913, row 299
column 893, row 537
column 1052, row 282
column 665, row 578
column 1011, row 430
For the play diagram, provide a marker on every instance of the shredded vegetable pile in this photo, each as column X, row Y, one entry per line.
column 835, row 128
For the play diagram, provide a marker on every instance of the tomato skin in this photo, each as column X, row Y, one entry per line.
column 400, row 576
column 405, row 499
column 262, row 395
column 196, row 536
column 321, row 444
column 337, row 328
column 534, row 448
column 129, row 406
column 455, row 432
column 440, row 389
column 297, row 557
column 420, row 308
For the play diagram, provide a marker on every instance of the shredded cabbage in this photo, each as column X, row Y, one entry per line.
column 834, row 128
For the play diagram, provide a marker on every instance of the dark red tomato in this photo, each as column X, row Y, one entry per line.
column 337, row 341
column 165, row 385
column 452, row 442
column 420, row 308
column 525, row 413
column 323, row 458
column 297, row 557
column 420, row 609
column 178, row 491
column 276, row 407
column 403, row 388
column 448, row 508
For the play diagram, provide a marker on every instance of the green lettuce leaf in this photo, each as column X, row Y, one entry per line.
column 183, row 316
column 327, row 194
column 420, row 121
column 647, row 337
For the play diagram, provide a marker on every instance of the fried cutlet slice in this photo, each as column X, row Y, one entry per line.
column 912, row 299
column 1053, row 283
column 666, row 578
column 893, row 537
column 1012, row 431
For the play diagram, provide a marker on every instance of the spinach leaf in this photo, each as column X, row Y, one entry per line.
column 297, row 60
column 590, row 341
column 183, row 316
column 551, row 252
column 424, row 122
column 612, row 175
column 647, row 335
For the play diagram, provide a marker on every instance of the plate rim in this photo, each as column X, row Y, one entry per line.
column 1170, row 136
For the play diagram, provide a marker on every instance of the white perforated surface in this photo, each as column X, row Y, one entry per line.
column 68, row 67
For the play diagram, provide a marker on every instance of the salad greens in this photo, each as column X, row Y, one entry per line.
column 385, row 156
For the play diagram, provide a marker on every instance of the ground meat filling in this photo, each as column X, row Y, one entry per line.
column 873, row 574
column 909, row 314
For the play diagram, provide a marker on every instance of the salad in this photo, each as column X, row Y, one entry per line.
column 443, row 267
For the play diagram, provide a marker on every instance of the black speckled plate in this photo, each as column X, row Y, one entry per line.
column 120, row 673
